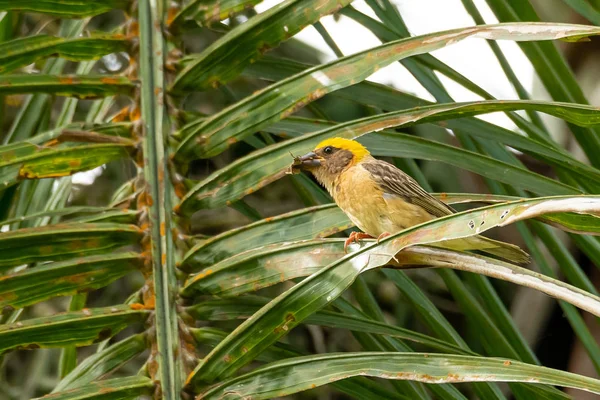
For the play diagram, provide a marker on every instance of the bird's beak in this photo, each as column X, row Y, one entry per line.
column 306, row 162
column 310, row 160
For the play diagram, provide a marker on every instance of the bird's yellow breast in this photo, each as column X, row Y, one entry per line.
column 372, row 210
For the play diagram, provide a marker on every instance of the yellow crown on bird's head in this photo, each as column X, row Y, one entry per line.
column 358, row 150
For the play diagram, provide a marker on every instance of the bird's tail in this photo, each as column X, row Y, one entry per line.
column 506, row 251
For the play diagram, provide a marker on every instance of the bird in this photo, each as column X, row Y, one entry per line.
column 381, row 199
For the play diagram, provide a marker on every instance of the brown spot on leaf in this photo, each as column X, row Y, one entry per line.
column 454, row 377
column 180, row 192
column 121, row 115
column 52, row 143
column 171, row 14
column 14, row 100
column 6, row 297
column 76, row 279
column 46, row 250
column 109, row 80
column 88, row 244
column 66, row 80
column 153, row 369
column 26, row 173
column 149, row 299
column 202, row 274
column 189, row 378
column 133, row 28
column 161, row 174
column 135, row 114
column 263, row 48
column 300, row 104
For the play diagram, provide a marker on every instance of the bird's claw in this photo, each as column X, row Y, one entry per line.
column 355, row 237
column 383, row 235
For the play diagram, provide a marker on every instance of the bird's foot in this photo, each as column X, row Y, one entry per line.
column 355, row 237
column 383, row 235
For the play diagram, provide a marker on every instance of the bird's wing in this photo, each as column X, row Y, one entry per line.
column 395, row 182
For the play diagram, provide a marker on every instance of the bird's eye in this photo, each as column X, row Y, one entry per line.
column 328, row 150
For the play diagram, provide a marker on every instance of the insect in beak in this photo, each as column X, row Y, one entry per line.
column 307, row 161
